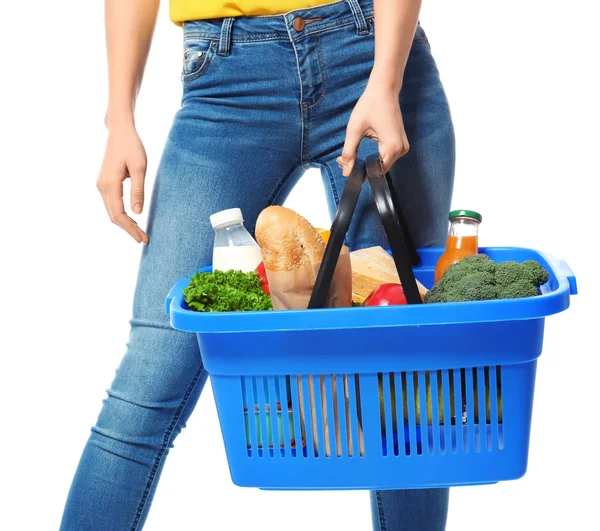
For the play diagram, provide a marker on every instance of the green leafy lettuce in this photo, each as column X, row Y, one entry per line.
column 226, row 291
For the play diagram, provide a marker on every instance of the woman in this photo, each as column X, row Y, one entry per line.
column 264, row 98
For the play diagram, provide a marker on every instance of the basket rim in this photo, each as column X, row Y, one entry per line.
column 555, row 298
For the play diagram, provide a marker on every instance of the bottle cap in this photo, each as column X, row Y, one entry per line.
column 226, row 217
column 466, row 214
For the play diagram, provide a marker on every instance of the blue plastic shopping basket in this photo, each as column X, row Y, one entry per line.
column 414, row 396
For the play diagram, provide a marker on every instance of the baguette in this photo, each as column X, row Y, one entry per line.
column 287, row 240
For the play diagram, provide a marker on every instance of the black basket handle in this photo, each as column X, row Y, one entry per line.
column 375, row 171
column 403, row 249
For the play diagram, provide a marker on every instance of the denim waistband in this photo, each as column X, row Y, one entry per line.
column 273, row 27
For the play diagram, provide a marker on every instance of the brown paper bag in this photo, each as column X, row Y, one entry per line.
column 291, row 290
column 352, row 444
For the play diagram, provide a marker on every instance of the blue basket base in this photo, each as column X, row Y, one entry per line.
column 467, row 426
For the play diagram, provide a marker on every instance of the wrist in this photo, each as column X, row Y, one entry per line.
column 119, row 119
column 386, row 79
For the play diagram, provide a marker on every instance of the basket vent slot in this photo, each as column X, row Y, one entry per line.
column 441, row 412
column 309, row 416
column 266, row 404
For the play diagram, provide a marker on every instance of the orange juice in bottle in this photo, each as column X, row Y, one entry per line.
column 462, row 240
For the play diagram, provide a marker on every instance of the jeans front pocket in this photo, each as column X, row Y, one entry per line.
column 197, row 57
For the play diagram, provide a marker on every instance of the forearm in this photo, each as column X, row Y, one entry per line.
column 395, row 22
column 129, row 29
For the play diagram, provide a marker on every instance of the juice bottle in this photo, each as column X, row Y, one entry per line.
column 462, row 240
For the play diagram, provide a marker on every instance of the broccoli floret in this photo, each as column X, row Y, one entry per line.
column 451, row 275
column 478, row 278
column 472, row 264
column 477, row 286
column 508, row 272
column 436, row 294
column 535, row 273
column 518, row 290
column 530, row 271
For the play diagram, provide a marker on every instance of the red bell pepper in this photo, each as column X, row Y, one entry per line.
column 386, row 295
column 262, row 274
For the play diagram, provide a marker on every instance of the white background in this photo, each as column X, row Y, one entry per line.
column 522, row 81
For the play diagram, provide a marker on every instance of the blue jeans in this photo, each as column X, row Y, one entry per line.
column 262, row 102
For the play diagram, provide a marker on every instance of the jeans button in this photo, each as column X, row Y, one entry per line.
column 298, row 24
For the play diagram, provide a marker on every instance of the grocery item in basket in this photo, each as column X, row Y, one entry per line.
column 462, row 240
column 292, row 253
column 325, row 234
column 478, row 278
column 386, row 295
column 453, row 415
column 371, row 268
column 234, row 247
column 226, row 291
column 281, row 418
column 316, row 387
column 262, row 275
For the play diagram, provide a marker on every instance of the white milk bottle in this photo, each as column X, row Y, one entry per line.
column 234, row 246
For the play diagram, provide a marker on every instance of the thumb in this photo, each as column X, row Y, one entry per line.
column 391, row 152
column 353, row 137
column 137, row 173
column 388, row 156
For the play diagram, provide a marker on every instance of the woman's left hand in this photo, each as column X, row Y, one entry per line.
column 376, row 115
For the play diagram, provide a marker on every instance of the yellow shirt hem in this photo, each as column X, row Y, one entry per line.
column 184, row 10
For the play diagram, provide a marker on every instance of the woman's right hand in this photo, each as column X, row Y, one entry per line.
column 125, row 157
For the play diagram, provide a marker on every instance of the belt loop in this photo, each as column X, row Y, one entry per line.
column 225, row 40
column 362, row 27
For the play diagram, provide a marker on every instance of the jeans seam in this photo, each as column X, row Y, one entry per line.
column 382, row 522
column 282, row 182
column 336, row 197
column 305, row 135
column 266, row 37
column 256, row 37
column 161, row 452
column 334, row 190
column 301, row 94
column 324, row 72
